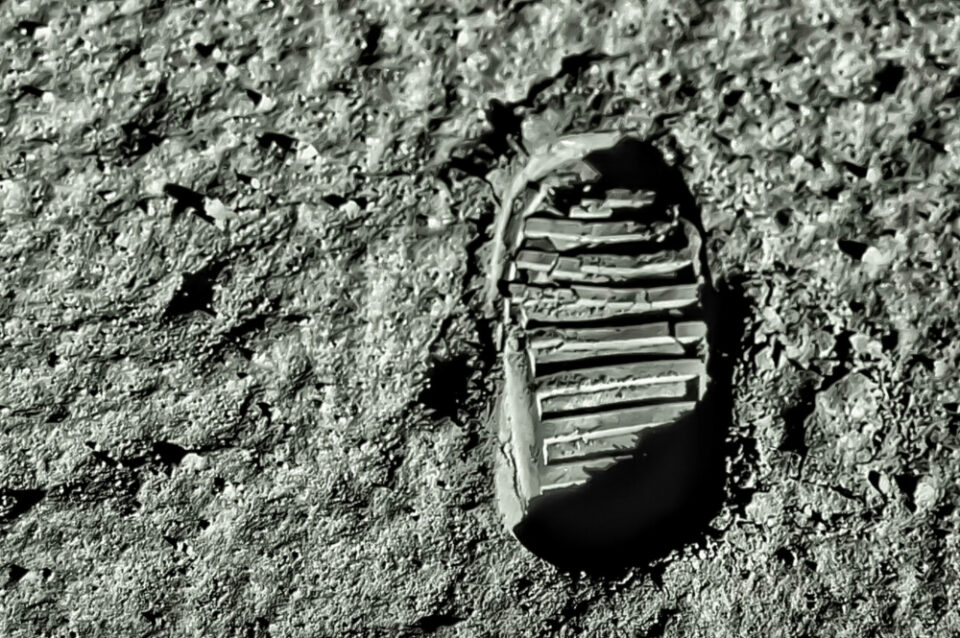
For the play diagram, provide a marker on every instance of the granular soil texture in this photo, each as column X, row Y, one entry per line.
column 244, row 377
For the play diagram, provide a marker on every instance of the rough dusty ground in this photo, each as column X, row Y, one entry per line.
column 243, row 383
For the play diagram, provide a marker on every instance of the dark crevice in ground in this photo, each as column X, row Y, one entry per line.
column 280, row 142
column 16, row 503
column 659, row 625
column 371, row 43
column 12, row 574
column 432, row 622
column 732, row 327
column 473, row 278
column 99, row 482
column 195, row 292
column 445, row 390
column 572, row 610
column 148, row 127
column 794, row 423
column 258, row 628
column 452, row 379
column 103, row 478
column 853, row 249
column 795, row 415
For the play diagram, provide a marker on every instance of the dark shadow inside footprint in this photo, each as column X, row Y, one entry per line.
column 640, row 508
column 665, row 494
column 636, row 165
column 658, row 500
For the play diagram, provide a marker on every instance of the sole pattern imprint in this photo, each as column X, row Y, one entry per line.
column 598, row 292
